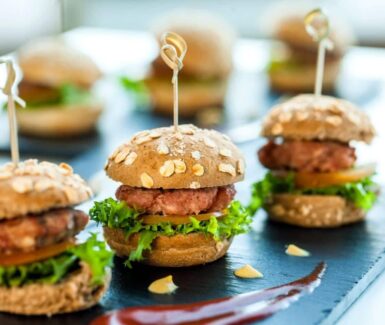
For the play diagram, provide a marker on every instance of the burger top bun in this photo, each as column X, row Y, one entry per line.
column 34, row 187
column 189, row 159
column 309, row 117
column 52, row 62
column 290, row 29
column 209, row 41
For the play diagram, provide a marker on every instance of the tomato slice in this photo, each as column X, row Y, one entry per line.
column 35, row 256
column 178, row 220
column 319, row 180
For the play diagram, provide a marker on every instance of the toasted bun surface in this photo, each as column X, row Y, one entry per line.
column 74, row 293
column 209, row 41
column 302, row 79
column 189, row 158
column 313, row 211
column 174, row 251
column 309, row 117
column 59, row 121
column 52, row 62
column 193, row 96
column 32, row 187
column 291, row 30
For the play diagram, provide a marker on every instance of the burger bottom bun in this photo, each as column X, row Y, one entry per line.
column 74, row 293
column 302, row 79
column 59, row 121
column 194, row 96
column 174, row 251
column 313, row 211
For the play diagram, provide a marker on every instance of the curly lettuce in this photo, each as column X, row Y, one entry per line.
column 68, row 94
column 363, row 194
column 54, row 269
column 116, row 214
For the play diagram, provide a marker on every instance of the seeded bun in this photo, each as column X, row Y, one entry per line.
column 72, row 294
column 309, row 117
column 52, row 62
column 313, row 211
column 193, row 96
column 209, row 41
column 174, row 251
column 301, row 79
column 32, row 187
column 191, row 158
column 291, row 30
column 59, row 121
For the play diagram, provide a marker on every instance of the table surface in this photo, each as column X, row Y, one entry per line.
column 362, row 81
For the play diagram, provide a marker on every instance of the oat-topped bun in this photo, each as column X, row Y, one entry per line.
column 313, row 211
column 33, row 187
column 52, row 62
column 175, row 251
column 307, row 117
column 75, row 293
column 209, row 41
column 191, row 158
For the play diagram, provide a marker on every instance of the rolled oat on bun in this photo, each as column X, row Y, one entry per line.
column 43, row 271
column 57, row 87
column 175, row 200
column 313, row 179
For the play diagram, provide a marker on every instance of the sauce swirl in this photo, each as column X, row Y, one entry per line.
column 239, row 309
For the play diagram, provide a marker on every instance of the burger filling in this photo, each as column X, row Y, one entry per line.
column 39, row 96
column 42, row 249
column 158, row 212
column 307, row 156
column 313, row 168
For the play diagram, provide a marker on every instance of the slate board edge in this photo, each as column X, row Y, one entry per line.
column 358, row 289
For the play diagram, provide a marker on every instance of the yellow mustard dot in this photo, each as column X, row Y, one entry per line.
column 163, row 286
column 248, row 272
column 294, row 250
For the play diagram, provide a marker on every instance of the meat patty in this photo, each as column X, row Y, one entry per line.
column 28, row 233
column 176, row 202
column 34, row 93
column 308, row 156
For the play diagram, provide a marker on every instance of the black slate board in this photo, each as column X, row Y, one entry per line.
column 355, row 256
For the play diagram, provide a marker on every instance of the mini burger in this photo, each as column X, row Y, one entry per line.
column 175, row 205
column 43, row 271
column 206, row 66
column 292, row 67
column 314, row 180
column 56, row 85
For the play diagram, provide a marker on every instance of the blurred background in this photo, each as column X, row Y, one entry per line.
column 22, row 19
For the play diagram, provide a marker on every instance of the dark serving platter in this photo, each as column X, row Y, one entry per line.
column 355, row 254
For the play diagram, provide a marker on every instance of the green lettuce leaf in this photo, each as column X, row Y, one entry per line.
column 68, row 94
column 52, row 270
column 363, row 194
column 116, row 214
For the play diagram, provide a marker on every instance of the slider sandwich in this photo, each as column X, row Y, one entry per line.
column 175, row 206
column 56, row 85
column 206, row 66
column 43, row 270
column 292, row 67
column 313, row 179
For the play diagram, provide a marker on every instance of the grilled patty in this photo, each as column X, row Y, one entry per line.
column 176, row 202
column 31, row 232
column 307, row 156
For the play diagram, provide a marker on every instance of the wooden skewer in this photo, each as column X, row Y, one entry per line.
column 7, row 90
column 173, row 51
